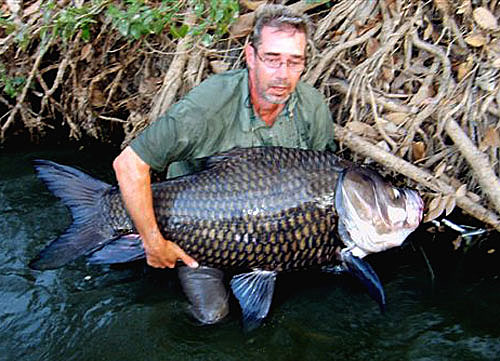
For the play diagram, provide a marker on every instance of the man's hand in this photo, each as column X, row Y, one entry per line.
column 161, row 253
column 135, row 186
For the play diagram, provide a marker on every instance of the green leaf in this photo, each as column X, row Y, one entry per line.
column 123, row 27
column 179, row 32
column 136, row 30
column 206, row 40
column 86, row 33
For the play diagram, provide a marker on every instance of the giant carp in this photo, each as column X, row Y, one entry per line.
column 257, row 211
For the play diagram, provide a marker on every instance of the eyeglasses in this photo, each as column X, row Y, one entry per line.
column 275, row 62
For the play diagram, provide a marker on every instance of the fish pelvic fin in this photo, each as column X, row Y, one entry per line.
column 81, row 193
column 254, row 291
column 365, row 273
column 126, row 248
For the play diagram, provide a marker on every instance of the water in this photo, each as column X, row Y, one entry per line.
column 132, row 312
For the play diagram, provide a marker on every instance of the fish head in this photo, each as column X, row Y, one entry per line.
column 374, row 215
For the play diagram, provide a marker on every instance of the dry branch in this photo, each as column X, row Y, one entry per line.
column 478, row 161
column 173, row 78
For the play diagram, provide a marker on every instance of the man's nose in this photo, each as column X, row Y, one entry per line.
column 283, row 71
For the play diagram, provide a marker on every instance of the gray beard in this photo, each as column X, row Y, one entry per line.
column 273, row 99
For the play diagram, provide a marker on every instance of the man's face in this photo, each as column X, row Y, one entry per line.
column 274, row 85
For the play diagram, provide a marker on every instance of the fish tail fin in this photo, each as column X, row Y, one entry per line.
column 82, row 194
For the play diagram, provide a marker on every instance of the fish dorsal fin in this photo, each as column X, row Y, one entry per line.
column 237, row 157
column 254, row 291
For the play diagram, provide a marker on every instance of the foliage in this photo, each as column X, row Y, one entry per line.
column 221, row 13
column 7, row 24
column 10, row 85
column 72, row 19
column 135, row 19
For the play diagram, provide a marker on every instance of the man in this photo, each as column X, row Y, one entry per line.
column 263, row 105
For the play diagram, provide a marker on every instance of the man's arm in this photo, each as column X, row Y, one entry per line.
column 135, row 186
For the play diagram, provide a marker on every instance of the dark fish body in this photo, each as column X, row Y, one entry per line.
column 266, row 209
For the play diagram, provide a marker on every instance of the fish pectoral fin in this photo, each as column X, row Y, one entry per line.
column 254, row 291
column 365, row 273
column 126, row 248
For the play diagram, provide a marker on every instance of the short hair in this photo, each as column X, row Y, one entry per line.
column 280, row 17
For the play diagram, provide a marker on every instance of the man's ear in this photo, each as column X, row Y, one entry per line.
column 249, row 55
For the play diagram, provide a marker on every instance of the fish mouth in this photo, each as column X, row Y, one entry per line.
column 373, row 214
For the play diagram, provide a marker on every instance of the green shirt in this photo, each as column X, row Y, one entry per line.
column 217, row 115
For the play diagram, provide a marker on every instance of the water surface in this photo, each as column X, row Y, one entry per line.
column 132, row 312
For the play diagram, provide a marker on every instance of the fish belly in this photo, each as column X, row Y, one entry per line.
column 292, row 240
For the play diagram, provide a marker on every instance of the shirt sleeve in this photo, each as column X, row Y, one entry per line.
column 192, row 127
column 172, row 137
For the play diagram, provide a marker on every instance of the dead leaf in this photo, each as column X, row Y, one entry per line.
column 251, row 5
column 33, row 8
column 86, row 51
column 243, row 26
column 464, row 68
column 485, row 19
column 496, row 63
column 372, row 45
column 491, row 139
column 383, row 145
column 476, row 40
column 450, row 203
column 440, row 169
column 461, row 191
column 219, row 66
column 428, row 31
column 423, row 93
column 397, row 118
column 443, row 5
column 436, row 208
column 361, row 128
column 474, row 197
column 465, row 8
column 392, row 129
column 418, row 149
column 387, row 73
column 457, row 243
column 97, row 98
